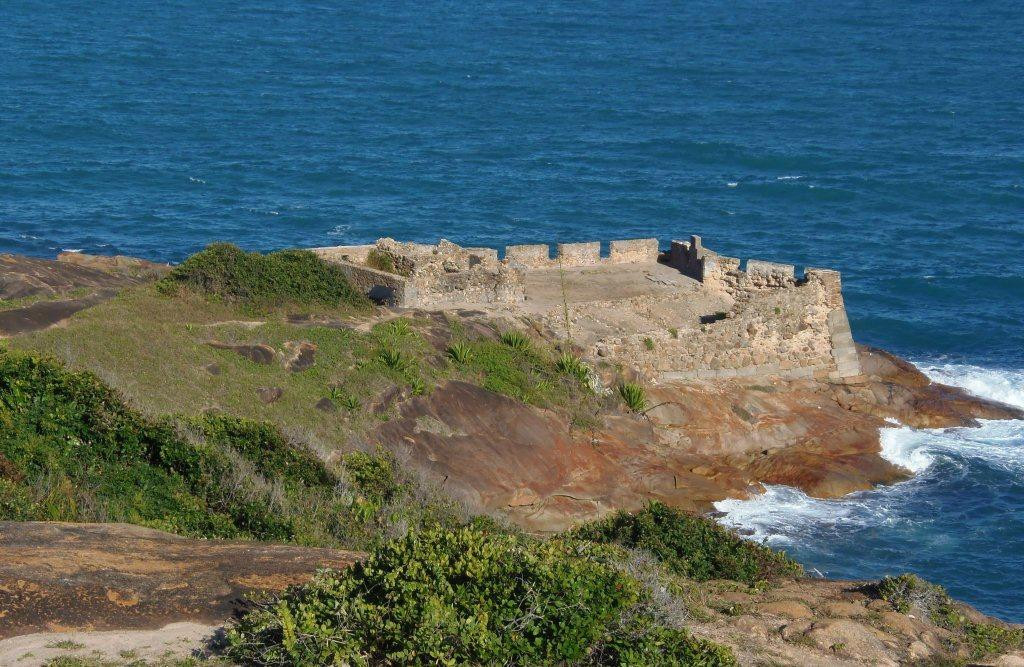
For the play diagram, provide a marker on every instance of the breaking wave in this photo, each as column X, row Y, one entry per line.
column 966, row 496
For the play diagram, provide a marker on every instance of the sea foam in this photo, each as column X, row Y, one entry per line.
column 783, row 515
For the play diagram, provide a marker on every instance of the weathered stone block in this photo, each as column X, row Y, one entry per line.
column 633, row 251
column 536, row 255
column 579, row 254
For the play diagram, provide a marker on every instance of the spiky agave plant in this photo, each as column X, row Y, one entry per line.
column 516, row 340
column 391, row 358
column 460, row 352
column 634, row 396
column 574, row 367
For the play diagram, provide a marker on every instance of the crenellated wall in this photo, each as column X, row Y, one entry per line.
column 568, row 255
column 779, row 325
column 776, row 324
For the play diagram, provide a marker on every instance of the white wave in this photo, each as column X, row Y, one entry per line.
column 778, row 515
column 340, row 230
column 732, row 184
column 1004, row 385
column 784, row 515
column 71, row 250
column 196, row 180
column 788, row 178
column 906, row 447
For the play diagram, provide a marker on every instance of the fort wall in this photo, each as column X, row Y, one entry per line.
column 778, row 323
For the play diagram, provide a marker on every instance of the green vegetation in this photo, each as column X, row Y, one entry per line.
column 469, row 596
column 573, row 367
column 460, row 352
column 649, row 343
column 526, row 372
column 71, row 450
column 25, row 301
column 66, row 644
column 634, row 396
column 516, row 340
column 908, row 592
column 376, row 259
column 288, row 277
column 691, row 546
column 674, row 332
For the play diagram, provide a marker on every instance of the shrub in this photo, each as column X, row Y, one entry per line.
column 640, row 641
column 690, row 545
column 373, row 475
column 260, row 281
column 674, row 332
column 516, row 340
column 649, row 343
column 443, row 597
column 460, row 352
column 376, row 259
column 908, row 592
column 634, row 396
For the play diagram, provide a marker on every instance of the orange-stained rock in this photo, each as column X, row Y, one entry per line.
column 65, row 576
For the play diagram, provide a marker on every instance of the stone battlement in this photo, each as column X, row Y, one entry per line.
column 629, row 251
column 688, row 313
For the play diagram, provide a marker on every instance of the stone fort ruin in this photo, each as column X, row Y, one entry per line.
column 687, row 313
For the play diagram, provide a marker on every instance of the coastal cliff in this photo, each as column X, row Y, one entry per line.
column 503, row 425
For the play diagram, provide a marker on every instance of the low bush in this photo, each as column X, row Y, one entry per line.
column 376, row 259
column 908, row 592
column 260, row 281
column 71, row 450
column 691, row 546
column 641, row 641
column 466, row 597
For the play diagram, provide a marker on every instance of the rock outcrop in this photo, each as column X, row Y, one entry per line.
column 56, row 290
column 61, row 577
column 702, row 442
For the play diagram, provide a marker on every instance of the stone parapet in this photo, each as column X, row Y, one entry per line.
column 530, row 256
column 579, row 254
column 633, row 251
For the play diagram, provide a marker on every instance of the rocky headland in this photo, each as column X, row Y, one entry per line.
column 787, row 400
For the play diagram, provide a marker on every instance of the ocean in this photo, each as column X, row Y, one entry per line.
column 885, row 140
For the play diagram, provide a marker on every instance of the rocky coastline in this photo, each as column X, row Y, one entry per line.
column 696, row 442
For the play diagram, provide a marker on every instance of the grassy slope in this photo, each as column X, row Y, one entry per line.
column 153, row 348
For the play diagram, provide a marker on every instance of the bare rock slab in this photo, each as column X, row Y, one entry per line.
column 257, row 353
column 63, row 577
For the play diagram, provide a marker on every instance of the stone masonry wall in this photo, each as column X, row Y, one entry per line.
column 538, row 256
column 429, row 275
column 779, row 325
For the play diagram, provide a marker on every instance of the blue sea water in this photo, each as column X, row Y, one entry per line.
column 882, row 139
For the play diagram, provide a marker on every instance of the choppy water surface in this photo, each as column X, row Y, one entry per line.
column 882, row 139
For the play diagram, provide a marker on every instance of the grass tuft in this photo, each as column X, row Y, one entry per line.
column 460, row 352
column 516, row 340
column 634, row 396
